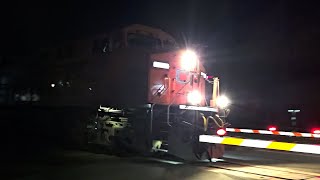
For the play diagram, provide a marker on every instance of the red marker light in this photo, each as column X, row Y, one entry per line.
column 272, row 128
column 221, row 132
column 315, row 131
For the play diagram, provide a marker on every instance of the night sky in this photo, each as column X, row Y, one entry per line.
column 266, row 53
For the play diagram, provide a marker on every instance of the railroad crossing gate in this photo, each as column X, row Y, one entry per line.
column 264, row 144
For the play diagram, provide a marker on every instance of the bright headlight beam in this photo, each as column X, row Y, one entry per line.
column 194, row 97
column 189, row 60
column 223, row 101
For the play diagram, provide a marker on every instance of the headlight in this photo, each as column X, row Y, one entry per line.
column 223, row 102
column 194, row 97
column 189, row 60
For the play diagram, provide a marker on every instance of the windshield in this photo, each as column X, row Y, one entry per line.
column 143, row 41
column 169, row 44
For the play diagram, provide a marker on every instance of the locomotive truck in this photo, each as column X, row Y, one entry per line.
column 148, row 93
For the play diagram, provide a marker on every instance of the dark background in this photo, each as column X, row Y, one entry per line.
column 265, row 52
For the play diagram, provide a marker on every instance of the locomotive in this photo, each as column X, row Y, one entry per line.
column 148, row 94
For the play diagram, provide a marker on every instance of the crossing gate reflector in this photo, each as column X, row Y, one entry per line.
column 283, row 146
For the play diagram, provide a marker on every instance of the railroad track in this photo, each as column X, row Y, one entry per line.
column 249, row 171
column 243, row 170
column 236, row 168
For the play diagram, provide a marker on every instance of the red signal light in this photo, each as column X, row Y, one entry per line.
column 221, row 132
column 272, row 128
column 315, row 131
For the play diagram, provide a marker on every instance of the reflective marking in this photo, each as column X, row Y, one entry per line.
column 316, row 135
column 306, row 148
column 255, row 143
column 210, row 139
column 231, row 129
column 247, row 130
column 197, row 108
column 255, row 131
column 265, row 132
column 297, row 134
column 275, row 132
column 284, row 146
column 281, row 146
column 232, row 141
column 306, row 135
column 161, row 65
column 286, row 133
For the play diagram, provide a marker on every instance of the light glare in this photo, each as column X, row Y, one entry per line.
column 194, row 97
column 316, row 131
column 221, row 132
column 223, row 101
column 272, row 128
column 189, row 60
column 204, row 75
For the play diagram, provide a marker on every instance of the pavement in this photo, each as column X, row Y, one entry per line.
column 238, row 163
column 84, row 165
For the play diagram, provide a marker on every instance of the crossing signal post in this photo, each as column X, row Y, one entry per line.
column 293, row 116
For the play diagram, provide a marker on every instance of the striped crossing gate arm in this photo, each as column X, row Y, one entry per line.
column 263, row 144
column 280, row 133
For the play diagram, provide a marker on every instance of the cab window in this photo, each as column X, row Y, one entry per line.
column 143, row 41
column 168, row 44
column 101, row 46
